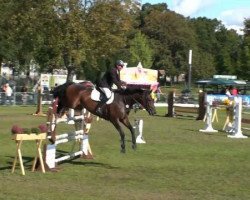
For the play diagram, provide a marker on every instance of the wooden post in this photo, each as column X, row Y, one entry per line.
column 202, row 106
column 170, row 104
column 39, row 110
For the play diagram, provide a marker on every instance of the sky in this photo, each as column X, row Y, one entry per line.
column 231, row 12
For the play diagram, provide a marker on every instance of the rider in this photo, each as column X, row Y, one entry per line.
column 107, row 80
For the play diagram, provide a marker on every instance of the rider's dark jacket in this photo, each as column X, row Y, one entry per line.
column 109, row 78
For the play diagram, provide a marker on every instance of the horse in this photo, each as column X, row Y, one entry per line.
column 78, row 96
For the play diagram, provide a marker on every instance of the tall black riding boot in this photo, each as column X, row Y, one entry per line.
column 99, row 108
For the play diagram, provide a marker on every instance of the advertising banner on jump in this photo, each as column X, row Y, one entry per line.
column 139, row 76
column 221, row 98
column 49, row 81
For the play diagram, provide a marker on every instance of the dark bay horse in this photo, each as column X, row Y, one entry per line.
column 78, row 96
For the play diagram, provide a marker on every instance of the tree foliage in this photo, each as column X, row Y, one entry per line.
column 244, row 60
column 140, row 51
column 171, row 38
column 87, row 39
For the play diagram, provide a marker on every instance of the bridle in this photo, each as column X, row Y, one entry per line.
column 144, row 100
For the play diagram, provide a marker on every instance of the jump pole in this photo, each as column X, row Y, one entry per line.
column 78, row 135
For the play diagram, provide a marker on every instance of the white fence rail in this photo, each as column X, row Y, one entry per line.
column 24, row 98
column 30, row 98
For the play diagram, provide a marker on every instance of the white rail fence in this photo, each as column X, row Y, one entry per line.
column 24, row 98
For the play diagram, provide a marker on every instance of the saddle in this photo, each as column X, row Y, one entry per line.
column 96, row 95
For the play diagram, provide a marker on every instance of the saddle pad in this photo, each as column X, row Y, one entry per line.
column 95, row 95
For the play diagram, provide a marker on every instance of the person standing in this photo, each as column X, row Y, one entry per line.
column 8, row 93
column 227, row 92
column 104, row 84
column 234, row 91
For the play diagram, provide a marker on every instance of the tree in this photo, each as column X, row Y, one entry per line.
column 171, row 38
column 203, row 65
column 20, row 29
column 6, row 43
column 247, row 28
column 205, row 34
column 67, row 40
column 227, row 51
column 108, row 23
column 140, row 51
column 244, row 69
column 218, row 47
column 51, row 32
column 205, row 30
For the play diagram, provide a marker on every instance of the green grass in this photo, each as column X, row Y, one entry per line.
column 177, row 162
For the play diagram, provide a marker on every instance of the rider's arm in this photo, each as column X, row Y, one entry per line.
column 116, row 78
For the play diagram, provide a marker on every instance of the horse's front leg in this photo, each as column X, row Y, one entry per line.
column 122, row 135
column 52, row 119
column 126, row 123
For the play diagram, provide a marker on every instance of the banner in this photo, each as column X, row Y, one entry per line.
column 139, row 76
column 49, row 81
column 221, row 98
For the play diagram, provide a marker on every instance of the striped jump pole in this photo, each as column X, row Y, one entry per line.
column 80, row 136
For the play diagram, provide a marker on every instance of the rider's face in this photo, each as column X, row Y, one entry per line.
column 119, row 67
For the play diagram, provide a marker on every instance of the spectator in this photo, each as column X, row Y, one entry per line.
column 154, row 89
column 234, row 91
column 24, row 91
column 159, row 93
column 8, row 93
column 227, row 92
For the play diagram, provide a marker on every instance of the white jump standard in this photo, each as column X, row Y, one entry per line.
column 209, row 113
column 77, row 137
column 138, row 129
column 236, row 132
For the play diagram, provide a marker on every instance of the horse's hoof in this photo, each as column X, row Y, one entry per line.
column 52, row 141
column 123, row 151
column 134, row 147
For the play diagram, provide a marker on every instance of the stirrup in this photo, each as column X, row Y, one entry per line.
column 99, row 111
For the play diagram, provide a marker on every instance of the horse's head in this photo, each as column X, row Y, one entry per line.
column 148, row 102
column 140, row 96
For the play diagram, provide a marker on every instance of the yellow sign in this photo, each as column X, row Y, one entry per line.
column 138, row 75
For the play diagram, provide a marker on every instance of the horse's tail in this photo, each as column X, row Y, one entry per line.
column 60, row 91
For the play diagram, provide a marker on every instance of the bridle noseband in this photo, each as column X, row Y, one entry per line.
column 143, row 100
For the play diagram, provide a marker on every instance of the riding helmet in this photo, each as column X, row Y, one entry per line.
column 120, row 63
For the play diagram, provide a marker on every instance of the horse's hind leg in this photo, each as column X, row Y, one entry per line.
column 129, row 126
column 122, row 135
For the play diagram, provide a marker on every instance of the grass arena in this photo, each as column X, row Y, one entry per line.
column 177, row 161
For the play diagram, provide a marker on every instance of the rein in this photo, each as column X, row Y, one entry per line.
column 134, row 100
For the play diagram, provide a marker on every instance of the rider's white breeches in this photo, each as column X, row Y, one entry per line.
column 107, row 92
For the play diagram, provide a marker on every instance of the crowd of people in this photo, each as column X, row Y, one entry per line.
column 8, row 94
